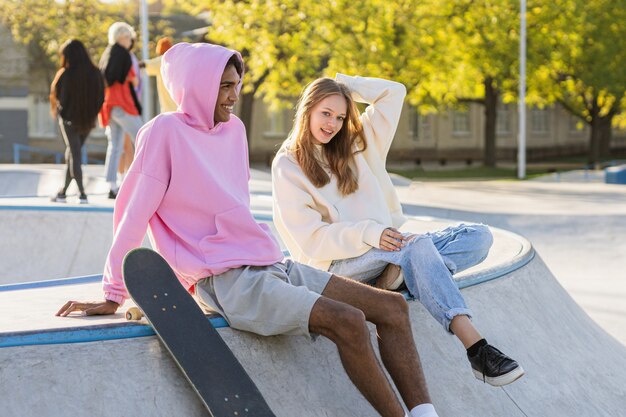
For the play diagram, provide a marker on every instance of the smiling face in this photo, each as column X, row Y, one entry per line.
column 227, row 95
column 327, row 117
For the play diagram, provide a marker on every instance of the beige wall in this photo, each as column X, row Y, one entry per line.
column 13, row 61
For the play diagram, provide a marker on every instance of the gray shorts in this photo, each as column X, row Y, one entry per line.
column 266, row 300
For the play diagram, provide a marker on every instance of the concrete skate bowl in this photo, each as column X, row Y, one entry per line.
column 51, row 366
column 23, row 181
column 43, row 240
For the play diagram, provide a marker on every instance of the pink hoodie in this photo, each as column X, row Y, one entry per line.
column 188, row 184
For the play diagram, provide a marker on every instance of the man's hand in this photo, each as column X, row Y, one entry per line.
column 391, row 240
column 88, row 308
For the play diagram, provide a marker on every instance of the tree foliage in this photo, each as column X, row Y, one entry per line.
column 43, row 25
column 447, row 52
column 583, row 64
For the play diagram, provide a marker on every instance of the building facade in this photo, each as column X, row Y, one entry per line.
column 13, row 95
column 448, row 136
column 453, row 135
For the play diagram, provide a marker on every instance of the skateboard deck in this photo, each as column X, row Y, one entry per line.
column 197, row 348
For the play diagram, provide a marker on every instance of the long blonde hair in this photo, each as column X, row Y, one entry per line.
column 340, row 151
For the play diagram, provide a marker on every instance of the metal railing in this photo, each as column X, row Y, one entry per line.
column 18, row 148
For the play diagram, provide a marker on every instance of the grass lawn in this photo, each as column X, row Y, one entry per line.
column 468, row 173
column 506, row 170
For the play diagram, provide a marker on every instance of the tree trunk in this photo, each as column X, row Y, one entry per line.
column 247, row 107
column 594, row 137
column 491, row 107
column 606, row 134
column 594, row 144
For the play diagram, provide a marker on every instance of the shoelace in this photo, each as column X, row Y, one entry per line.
column 485, row 354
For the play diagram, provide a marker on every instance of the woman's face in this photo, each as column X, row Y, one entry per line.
column 327, row 118
column 125, row 40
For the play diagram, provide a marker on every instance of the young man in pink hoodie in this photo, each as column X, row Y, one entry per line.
column 188, row 186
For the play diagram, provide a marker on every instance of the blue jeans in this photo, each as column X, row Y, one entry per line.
column 119, row 123
column 428, row 263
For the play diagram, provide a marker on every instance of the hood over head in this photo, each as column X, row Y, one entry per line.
column 192, row 74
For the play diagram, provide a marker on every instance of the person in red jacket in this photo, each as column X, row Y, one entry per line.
column 120, row 112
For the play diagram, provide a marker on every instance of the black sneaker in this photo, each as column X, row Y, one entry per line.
column 112, row 194
column 83, row 199
column 494, row 367
column 59, row 198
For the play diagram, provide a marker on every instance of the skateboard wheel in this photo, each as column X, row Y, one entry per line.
column 133, row 313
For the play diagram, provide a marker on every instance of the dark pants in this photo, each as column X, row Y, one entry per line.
column 74, row 142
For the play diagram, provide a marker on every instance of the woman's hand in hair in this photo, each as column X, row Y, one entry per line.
column 391, row 240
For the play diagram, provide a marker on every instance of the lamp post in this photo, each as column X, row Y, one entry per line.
column 521, row 143
column 145, row 80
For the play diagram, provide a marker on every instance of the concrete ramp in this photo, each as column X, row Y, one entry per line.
column 42, row 243
column 573, row 367
column 42, row 240
column 44, row 180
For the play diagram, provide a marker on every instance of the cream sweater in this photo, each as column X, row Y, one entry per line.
column 319, row 225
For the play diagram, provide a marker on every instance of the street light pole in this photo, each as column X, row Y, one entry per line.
column 521, row 143
column 145, row 80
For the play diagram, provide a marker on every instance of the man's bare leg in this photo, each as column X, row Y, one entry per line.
column 389, row 312
column 346, row 327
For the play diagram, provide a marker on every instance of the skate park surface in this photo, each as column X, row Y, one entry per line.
column 84, row 365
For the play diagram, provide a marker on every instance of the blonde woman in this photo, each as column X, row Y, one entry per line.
column 336, row 209
column 119, row 113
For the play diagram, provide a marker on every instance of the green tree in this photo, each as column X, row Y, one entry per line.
column 44, row 25
column 45, row 30
column 471, row 57
column 282, row 42
column 583, row 64
column 376, row 38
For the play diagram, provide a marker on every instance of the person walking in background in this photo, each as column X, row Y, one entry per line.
column 336, row 209
column 119, row 112
column 153, row 69
column 76, row 96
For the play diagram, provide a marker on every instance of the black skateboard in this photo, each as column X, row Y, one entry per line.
column 197, row 348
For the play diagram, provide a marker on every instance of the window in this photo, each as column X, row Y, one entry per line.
column 426, row 127
column 40, row 124
column 276, row 123
column 503, row 118
column 414, row 124
column 460, row 122
column 419, row 125
column 539, row 120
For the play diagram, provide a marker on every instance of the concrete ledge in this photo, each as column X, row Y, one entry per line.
column 42, row 240
column 38, row 326
column 508, row 253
